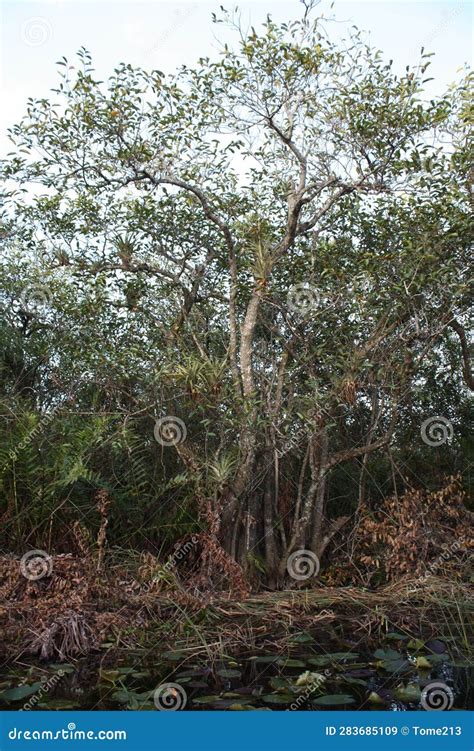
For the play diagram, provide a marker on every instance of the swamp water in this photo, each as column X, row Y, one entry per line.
column 391, row 677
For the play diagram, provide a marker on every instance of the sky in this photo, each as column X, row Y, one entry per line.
column 157, row 34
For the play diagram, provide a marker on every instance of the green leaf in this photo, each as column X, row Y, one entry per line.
column 375, row 698
column 211, row 699
column 409, row 693
column 278, row 698
column 289, row 662
column 396, row 636
column 229, row 673
column 20, row 692
column 423, row 663
column 332, row 700
column 265, row 659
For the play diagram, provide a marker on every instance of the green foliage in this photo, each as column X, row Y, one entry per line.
column 154, row 229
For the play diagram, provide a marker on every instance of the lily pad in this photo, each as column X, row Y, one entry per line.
column 333, row 700
column 246, row 691
column 339, row 656
column 375, row 698
column 409, row 693
column 387, row 654
column 278, row 698
column 391, row 661
column 416, row 644
column 394, row 666
column 333, row 657
column 20, row 692
column 265, row 659
column 397, row 666
column 192, row 672
column 229, row 673
column 144, row 695
column 361, row 673
column 123, row 696
column 320, row 661
column 279, row 683
column 212, row 699
column 289, row 662
column 353, row 681
column 422, row 663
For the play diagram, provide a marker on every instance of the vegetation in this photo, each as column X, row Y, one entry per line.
column 235, row 307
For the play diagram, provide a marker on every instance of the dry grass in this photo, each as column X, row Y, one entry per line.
column 75, row 609
column 269, row 621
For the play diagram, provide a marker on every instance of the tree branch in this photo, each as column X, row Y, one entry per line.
column 467, row 372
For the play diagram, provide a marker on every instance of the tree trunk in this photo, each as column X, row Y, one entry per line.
column 269, row 519
column 233, row 509
column 320, row 500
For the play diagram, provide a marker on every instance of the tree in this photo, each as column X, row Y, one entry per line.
column 278, row 237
